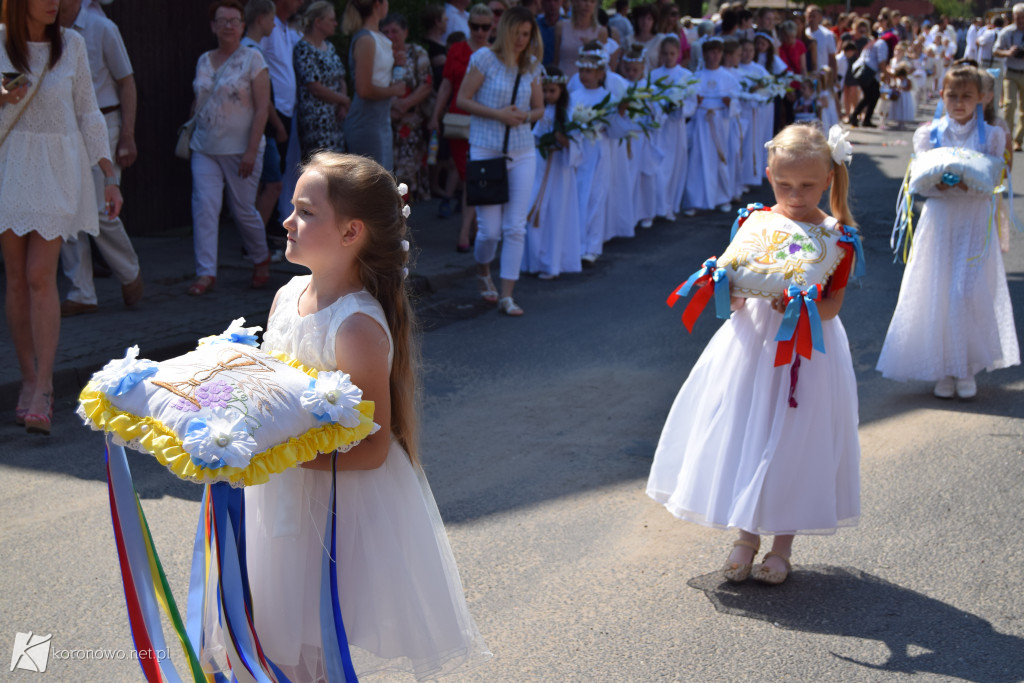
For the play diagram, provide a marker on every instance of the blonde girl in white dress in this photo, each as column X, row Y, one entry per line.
column 399, row 590
column 734, row 452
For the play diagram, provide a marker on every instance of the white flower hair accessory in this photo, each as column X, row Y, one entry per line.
column 403, row 190
column 332, row 397
column 119, row 376
column 236, row 333
column 219, row 439
column 404, row 244
column 839, row 143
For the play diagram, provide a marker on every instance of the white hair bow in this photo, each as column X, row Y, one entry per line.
column 839, row 143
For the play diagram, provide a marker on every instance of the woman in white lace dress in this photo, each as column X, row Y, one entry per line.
column 51, row 134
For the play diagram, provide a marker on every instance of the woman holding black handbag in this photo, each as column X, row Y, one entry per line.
column 502, row 93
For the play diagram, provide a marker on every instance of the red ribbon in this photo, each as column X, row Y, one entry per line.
column 842, row 274
column 148, row 661
column 705, row 288
column 801, row 339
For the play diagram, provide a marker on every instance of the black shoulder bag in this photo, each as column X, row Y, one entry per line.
column 487, row 179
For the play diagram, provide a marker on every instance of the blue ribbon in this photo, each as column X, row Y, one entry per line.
column 197, row 579
column 852, row 236
column 743, row 214
column 707, row 269
column 939, row 127
column 791, row 317
column 231, row 579
column 337, row 658
column 721, row 279
column 129, row 381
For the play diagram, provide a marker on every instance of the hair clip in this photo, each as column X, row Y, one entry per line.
column 404, row 244
column 405, row 273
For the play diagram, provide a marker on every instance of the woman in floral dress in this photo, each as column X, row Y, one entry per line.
column 409, row 113
column 323, row 100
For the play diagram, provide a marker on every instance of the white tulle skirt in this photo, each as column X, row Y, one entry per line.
column 734, row 454
column 401, row 598
column 953, row 317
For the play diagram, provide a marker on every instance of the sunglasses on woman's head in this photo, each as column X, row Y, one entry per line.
column 479, row 27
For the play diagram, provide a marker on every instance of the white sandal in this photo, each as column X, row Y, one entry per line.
column 509, row 307
column 489, row 293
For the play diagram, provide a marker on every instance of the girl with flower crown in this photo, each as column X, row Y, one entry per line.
column 588, row 105
column 398, row 586
column 736, row 452
column 672, row 135
column 710, row 176
column 644, row 158
column 553, row 224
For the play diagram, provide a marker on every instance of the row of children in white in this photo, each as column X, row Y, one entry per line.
column 701, row 150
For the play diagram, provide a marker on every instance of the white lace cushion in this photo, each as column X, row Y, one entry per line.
column 769, row 253
column 979, row 172
column 239, row 393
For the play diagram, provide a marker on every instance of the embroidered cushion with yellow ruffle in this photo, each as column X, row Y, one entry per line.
column 770, row 253
column 228, row 411
column 952, row 165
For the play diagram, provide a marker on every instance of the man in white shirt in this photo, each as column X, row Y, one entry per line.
column 277, row 51
column 114, row 84
column 986, row 41
column 971, row 41
column 822, row 37
column 458, row 17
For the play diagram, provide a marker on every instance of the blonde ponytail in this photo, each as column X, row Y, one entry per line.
column 807, row 141
column 355, row 14
column 839, row 197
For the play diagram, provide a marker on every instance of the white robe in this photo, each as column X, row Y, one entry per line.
column 553, row 233
column 709, row 178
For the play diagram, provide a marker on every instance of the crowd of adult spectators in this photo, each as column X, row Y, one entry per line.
column 275, row 89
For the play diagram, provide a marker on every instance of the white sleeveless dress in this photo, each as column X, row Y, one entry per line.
column 401, row 598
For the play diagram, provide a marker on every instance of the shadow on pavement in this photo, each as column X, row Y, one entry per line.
column 842, row 601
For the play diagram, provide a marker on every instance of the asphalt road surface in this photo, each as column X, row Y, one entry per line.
column 538, row 436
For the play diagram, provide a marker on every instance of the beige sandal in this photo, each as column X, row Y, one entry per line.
column 488, row 292
column 771, row 576
column 509, row 307
column 736, row 572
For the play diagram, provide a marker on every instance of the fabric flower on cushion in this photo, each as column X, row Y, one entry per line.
column 218, row 440
column 332, row 397
column 119, row 376
column 235, row 334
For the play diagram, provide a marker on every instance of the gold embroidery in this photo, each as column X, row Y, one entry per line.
column 241, row 367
